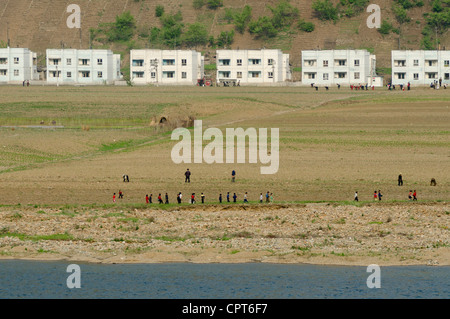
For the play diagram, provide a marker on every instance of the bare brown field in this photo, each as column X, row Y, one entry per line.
column 64, row 151
column 331, row 143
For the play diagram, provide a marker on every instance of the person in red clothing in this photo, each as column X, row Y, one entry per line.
column 415, row 195
column 114, row 197
column 146, row 198
column 375, row 195
column 193, row 198
column 160, row 199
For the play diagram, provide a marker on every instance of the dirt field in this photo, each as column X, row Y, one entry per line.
column 331, row 143
column 64, row 150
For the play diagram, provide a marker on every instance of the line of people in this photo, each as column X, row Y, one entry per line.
column 377, row 195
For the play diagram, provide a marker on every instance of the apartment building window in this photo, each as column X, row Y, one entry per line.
column 138, row 74
column 3, row 72
column 356, row 75
column 340, row 62
column 16, row 60
column 310, row 76
column 356, row 62
column 100, row 74
column 3, row 60
column 400, row 76
column 54, row 61
column 325, row 63
column 69, row 61
column 270, row 75
column 325, row 76
column 310, row 62
column 224, row 74
column 84, row 62
column 168, row 62
column 99, row 61
column 431, row 75
column 270, row 61
column 223, row 62
column 416, row 76
column 446, row 63
column 254, row 61
column 239, row 62
column 138, row 62
column 153, row 75
column 254, row 74
column 446, row 76
column 16, row 72
column 54, row 74
column 169, row 75
column 69, row 74
column 400, row 63
column 431, row 62
column 85, row 74
column 340, row 75
column 183, row 75
column 239, row 75
column 416, row 62
column 183, row 62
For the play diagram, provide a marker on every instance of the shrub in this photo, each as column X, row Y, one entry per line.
column 123, row 28
column 306, row 26
column 159, row 11
column 325, row 10
column 198, row 4
column 196, row 34
column 284, row 14
column 242, row 19
column 262, row 28
column 214, row 4
column 385, row 28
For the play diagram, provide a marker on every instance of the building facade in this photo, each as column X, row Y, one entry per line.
column 166, row 67
column 419, row 67
column 18, row 65
column 90, row 67
column 253, row 66
column 343, row 67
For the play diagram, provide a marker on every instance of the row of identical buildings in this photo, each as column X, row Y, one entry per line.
column 247, row 67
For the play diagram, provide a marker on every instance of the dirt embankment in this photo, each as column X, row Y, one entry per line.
column 384, row 234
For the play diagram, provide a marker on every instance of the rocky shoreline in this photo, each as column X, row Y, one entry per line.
column 327, row 234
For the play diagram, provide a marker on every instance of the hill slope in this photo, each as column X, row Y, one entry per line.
column 41, row 24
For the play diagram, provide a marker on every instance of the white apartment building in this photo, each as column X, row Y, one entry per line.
column 166, row 67
column 344, row 67
column 264, row 66
column 419, row 67
column 18, row 65
column 72, row 66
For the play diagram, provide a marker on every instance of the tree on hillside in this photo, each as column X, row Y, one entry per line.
column 123, row 29
column 284, row 14
column 262, row 28
column 325, row 10
column 195, row 35
column 242, row 19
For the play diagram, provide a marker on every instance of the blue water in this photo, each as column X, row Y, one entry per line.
column 33, row 279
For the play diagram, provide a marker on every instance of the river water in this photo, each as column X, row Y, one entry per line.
column 36, row 279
